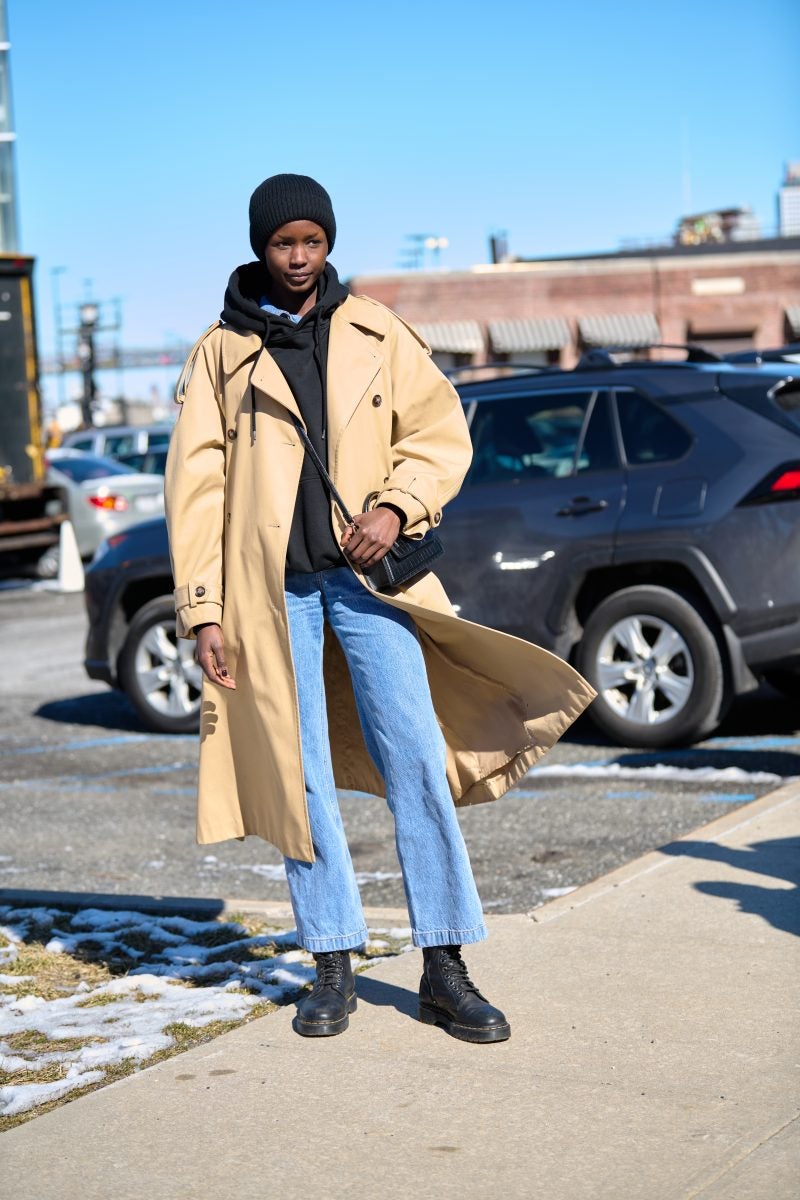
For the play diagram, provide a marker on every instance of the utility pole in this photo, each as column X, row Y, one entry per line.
column 89, row 313
column 9, row 237
column 55, row 273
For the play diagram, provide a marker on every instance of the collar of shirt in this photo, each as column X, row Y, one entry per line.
column 264, row 303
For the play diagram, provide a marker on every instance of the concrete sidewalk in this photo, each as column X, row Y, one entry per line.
column 653, row 1057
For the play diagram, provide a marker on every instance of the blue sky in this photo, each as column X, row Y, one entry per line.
column 143, row 128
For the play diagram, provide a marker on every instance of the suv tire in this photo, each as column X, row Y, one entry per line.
column 157, row 670
column 656, row 666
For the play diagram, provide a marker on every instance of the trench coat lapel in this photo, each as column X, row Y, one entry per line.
column 353, row 363
column 268, row 378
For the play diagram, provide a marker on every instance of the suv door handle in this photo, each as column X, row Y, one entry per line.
column 581, row 505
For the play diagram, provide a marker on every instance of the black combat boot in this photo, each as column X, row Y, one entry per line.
column 325, row 1010
column 448, row 997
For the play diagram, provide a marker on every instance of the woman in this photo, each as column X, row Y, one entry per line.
column 407, row 700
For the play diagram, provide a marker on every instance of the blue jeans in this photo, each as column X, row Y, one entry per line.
column 402, row 735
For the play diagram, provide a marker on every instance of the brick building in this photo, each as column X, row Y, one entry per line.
column 726, row 296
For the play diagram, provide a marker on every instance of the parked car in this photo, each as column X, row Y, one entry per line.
column 131, row 642
column 151, row 462
column 639, row 519
column 103, row 496
column 114, row 441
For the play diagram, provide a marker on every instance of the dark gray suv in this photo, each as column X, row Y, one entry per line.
column 642, row 520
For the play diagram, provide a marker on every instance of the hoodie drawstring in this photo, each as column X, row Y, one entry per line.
column 320, row 368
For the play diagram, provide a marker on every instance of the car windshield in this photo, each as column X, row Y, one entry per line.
column 80, row 467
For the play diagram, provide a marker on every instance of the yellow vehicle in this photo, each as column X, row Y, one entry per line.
column 31, row 511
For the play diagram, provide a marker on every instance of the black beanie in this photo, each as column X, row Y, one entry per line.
column 283, row 198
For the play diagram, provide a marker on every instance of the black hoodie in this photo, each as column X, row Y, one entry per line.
column 301, row 352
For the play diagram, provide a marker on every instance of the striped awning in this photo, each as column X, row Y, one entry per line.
column 793, row 319
column 451, row 337
column 627, row 330
column 522, row 335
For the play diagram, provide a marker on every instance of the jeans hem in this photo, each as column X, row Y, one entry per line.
column 342, row 941
column 449, row 937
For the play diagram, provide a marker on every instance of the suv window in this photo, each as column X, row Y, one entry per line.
column 538, row 436
column 648, row 434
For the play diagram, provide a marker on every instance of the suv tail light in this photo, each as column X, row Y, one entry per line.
column 108, row 500
column 781, row 484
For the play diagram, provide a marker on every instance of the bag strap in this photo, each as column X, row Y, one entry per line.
column 319, row 464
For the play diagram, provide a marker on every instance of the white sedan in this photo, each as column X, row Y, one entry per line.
column 103, row 497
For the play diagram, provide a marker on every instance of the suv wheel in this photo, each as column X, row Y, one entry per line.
column 158, row 672
column 656, row 666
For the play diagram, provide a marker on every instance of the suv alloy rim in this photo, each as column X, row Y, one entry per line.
column 166, row 671
column 645, row 670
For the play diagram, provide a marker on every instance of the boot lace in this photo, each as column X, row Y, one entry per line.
column 330, row 970
column 455, row 971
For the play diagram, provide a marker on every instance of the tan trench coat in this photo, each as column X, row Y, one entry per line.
column 395, row 425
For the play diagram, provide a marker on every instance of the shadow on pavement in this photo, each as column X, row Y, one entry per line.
column 106, row 710
column 199, row 908
column 758, row 758
column 778, row 858
column 386, row 995
column 761, row 713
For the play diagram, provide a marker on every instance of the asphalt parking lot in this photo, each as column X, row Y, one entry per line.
column 91, row 801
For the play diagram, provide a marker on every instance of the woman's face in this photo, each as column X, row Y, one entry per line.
column 295, row 256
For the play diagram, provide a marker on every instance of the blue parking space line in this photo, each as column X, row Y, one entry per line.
column 74, row 783
column 630, row 795
column 130, row 739
column 725, row 797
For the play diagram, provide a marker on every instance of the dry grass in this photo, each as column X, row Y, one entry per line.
column 59, row 974
column 54, row 975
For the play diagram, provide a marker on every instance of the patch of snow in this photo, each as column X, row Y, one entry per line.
column 274, row 871
column 181, row 978
column 551, row 893
column 659, row 771
column 20, row 1097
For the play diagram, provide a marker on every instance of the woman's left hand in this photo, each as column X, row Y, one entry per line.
column 375, row 534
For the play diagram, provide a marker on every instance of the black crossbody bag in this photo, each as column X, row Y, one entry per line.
column 408, row 557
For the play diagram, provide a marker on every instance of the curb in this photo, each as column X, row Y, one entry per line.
column 196, row 907
column 655, row 859
column 280, row 912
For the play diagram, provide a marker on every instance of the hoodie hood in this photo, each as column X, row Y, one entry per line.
column 300, row 351
column 250, row 283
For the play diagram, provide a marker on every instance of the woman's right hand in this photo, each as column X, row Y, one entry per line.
column 210, row 654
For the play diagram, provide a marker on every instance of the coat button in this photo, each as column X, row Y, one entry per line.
column 231, row 435
column 200, row 591
column 377, row 401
